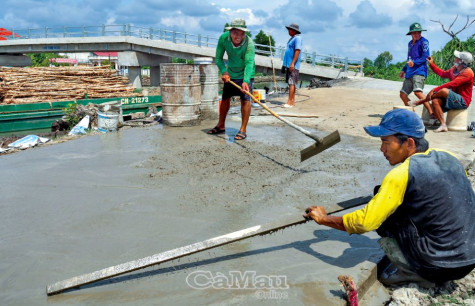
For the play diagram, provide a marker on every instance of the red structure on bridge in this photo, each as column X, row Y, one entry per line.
column 5, row 34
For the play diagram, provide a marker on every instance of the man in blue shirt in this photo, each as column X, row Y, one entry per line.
column 415, row 71
column 292, row 62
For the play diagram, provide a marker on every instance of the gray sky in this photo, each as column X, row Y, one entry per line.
column 346, row 28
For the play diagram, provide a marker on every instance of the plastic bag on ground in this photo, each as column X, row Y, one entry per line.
column 28, row 142
column 81, row 127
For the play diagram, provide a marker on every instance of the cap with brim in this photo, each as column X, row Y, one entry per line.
column 239, row 24
column 378, row 131
column 294, row 27
column 398, row 121
column 415, row 27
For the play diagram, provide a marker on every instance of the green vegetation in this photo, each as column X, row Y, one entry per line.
column 107, row 63
column 182, row 60
column 382, row 68
column 262, row 39
column 72, row 114
column 42, row 59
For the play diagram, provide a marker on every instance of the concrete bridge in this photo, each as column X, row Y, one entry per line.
column 138, row 47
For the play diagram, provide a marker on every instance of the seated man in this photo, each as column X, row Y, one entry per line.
column 456, row 94
column 424, row 208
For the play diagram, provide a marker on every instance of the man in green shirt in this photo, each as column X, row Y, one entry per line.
column 240, row 69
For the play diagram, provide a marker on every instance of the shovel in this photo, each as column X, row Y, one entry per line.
column 320, row 145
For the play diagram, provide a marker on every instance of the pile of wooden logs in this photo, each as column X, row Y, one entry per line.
column 50, row 84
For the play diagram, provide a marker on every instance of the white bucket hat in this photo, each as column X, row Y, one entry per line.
column 465, row 57
column 239, row 24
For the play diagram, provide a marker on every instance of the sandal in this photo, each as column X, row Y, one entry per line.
column 240, row 136
column 216, row 130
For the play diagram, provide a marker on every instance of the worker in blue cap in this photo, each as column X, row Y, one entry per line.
column 424, row 208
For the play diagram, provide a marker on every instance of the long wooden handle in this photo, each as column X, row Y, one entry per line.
column 272, row 61
column 134, row 265
column 298, row 128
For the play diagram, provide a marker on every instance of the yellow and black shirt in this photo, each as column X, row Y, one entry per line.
column 428, row 205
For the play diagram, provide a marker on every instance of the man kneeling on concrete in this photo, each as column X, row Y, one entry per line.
column 456, row 94
column 424, row 208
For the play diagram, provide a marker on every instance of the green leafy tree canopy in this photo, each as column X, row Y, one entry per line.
column 42, row 59
column 263, row 39
column 383, row 60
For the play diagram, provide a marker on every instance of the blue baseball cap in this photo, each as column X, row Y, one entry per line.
column 398, row 121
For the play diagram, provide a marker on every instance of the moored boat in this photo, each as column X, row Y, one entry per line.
column 34, row 116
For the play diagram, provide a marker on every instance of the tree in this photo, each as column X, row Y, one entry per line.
column 449, row 31
column 263, row 39
column 225, row 26
column 368, row 67
column 42, row 59
column 367, row 62
column 444, row 58
column 383, row 60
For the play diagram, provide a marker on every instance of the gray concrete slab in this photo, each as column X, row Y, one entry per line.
column 86, row 204
column 101, row 200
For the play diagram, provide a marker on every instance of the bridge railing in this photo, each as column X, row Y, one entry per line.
column 118, row 30
column 180, row 37
column 314, row 58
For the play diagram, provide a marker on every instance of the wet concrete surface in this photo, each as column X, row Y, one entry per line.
column 101, row 200
column 97, row 201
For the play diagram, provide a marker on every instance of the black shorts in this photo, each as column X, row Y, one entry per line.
column 292, row 78
column 229, row 90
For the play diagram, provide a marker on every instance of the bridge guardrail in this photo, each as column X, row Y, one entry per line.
column 181, row 37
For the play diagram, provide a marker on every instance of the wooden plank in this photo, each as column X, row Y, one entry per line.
column 134, row 265
column 37, row 84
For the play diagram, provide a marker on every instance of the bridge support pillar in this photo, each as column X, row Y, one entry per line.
column 135, row 76
column 135, row 60
column 154, row 75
